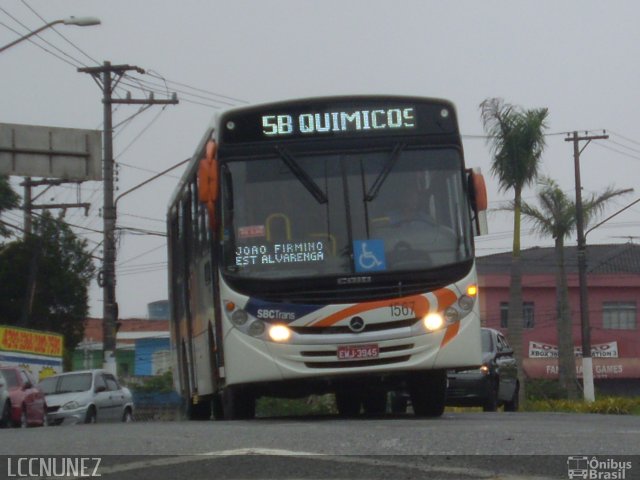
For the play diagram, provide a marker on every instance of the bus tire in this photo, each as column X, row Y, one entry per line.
column 201, row 411
column 428, row 391
column 238, row 403
column 399, row 402
column 348, row 403
column 374, row 402
column 217, row 407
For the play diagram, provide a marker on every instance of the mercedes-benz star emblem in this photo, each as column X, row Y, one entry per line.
column 356, row 324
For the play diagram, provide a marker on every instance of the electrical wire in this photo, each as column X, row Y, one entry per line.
column 61, row 35
column 76, row 65
column 154, row 249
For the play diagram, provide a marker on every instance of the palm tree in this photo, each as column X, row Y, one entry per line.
column 556, row 217
column 516, row 138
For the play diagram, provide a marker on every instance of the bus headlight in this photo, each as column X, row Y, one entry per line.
column 279, row 333
column 452, row 315
column 239, row 317
column 466, row 302
column 433, row 321
column 256, row 328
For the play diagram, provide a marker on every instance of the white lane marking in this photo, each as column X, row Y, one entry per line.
column 403, row 465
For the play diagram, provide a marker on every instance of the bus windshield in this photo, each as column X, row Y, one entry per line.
column 305, row 214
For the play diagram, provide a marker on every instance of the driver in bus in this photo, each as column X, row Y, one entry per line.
column 412, row 208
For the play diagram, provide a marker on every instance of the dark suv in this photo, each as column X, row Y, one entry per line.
column 495, row 383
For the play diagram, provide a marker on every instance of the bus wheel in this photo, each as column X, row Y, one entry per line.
column 399, row 402
column 217, row 407
column 238, row 403
column 374, row 402
column 199, row 411
column 428, row 391
column 348, row 403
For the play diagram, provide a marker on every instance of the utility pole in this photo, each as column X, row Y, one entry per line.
column 587, row 361
column 28, row 207
column 107, row 76
column 28, row 200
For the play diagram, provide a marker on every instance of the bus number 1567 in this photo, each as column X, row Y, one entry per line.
column 402, row 310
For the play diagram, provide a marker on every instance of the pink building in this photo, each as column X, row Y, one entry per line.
column 614, row 294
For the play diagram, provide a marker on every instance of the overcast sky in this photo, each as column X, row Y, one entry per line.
column 577, row 58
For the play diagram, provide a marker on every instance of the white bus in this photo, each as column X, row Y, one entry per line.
column 325, row 245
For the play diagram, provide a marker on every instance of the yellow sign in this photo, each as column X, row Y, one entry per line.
column 30, row 341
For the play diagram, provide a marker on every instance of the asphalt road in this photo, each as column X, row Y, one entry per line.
column 470, row 445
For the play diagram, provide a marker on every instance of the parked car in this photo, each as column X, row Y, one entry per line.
column 494, row 384
column 4, row 398
column 87, row 396
column 25, row 405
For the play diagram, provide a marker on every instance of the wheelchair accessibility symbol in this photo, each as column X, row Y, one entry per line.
column 369, row 255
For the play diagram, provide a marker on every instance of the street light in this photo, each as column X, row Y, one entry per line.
column 78, row 21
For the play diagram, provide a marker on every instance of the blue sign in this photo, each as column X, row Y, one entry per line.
column 369, row 255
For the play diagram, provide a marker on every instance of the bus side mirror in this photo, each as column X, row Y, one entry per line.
column 479, row 200
column 208, row 179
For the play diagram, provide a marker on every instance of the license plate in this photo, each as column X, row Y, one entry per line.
column 358, row 352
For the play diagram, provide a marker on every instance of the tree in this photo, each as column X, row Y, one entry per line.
column 516, row 139
column 64, row 270
column 556, row 218
column 8, row 200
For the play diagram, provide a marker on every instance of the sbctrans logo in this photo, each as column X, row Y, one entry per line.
column 594, row 468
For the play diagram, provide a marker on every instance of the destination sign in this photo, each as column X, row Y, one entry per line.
column 339, row 121
column 338, row 118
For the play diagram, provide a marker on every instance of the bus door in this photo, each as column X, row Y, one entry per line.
column 186, row 291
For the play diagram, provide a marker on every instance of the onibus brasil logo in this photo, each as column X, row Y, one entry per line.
column 594, row 468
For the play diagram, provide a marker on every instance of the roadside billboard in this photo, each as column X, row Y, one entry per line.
column 39, row 352
column 50, row 152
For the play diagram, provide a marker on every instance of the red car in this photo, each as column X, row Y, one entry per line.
column 26, row 403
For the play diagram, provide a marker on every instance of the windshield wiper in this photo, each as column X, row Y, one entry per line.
column 384, row 173
column 302, row 175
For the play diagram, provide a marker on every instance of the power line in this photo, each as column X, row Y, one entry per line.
column 624, row 146
column 624, row 138
column 617, row 151
column 164, row 245
column 38, row 45
column 143, row 217
column 61, row 35
column 141, row 231
column 142, row 169
column 43, row 40
column 182, row 99
column 142, row 132
column 151, row 73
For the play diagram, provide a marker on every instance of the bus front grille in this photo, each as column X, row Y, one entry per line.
column 329, row 358
column 333, row 353
column 358, row 363
column 371, row 327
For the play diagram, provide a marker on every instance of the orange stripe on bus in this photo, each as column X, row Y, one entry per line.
column 452, row 331
column 420, row 308
column 446, row 298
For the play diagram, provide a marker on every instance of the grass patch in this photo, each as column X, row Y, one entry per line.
column 284, row 407
column 605, row 405
column 325, row 405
